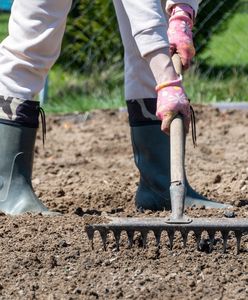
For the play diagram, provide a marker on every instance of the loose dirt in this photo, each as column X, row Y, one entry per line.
column 87, row 167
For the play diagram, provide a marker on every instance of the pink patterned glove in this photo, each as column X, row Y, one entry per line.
column 171, row 101
column 180, row 33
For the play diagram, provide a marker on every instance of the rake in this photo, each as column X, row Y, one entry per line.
column 178, row 221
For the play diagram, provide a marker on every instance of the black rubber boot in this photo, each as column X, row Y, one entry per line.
column 151, row 148
column 16, row 163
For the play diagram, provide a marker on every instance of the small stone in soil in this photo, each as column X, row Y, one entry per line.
column 217, row 179
column 63, row 243
column 229, row 214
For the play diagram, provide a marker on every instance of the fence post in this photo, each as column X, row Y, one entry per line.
column 44, row 92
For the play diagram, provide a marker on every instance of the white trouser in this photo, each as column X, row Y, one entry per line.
column 36, row 29
column 139, row 80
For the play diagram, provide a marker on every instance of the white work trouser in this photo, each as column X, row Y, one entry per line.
column 36, row 29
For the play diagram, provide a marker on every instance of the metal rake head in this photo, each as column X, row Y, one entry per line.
column 159, row 225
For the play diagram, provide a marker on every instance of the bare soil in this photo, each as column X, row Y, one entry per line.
column 87, row 168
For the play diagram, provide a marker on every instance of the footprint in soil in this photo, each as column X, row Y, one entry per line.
column 81, row 213
column 95, row 212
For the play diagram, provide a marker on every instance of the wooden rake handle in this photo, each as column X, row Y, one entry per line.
column 177, row 152
column 177, row 137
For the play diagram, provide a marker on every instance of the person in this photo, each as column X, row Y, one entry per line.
column 151, row 32
column 36, row 28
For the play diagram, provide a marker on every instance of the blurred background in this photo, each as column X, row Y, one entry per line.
column 89, row 72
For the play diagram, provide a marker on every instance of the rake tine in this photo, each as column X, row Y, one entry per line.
column 171, row 233
column 90, row 234
column 103, row 235
column 130, row 234
column 144, row 237
column 225, row 237
column 211, row 235
column 184, row 234
column 117, row 235
column 238, row 238
column 198, row 239
column 157, row 234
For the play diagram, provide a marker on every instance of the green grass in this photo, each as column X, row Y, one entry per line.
column 223, row 76
column 230, row 47
column 202, row 88
column 79, row 103
column 72, row 91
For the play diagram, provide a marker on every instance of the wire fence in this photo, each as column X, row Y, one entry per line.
column 86, row 51
column 236, row 54
column 93, row 44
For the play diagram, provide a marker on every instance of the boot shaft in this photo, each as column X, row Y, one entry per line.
column 16, row 155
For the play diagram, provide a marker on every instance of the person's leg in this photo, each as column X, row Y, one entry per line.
column 36, row 29
column 151, row 146
column 136, row 86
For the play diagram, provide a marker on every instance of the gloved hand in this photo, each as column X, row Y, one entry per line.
column 172, row 100
column 180, row 33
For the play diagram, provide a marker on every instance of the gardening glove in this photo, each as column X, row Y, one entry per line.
column 172, row 100
column 180, row 33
